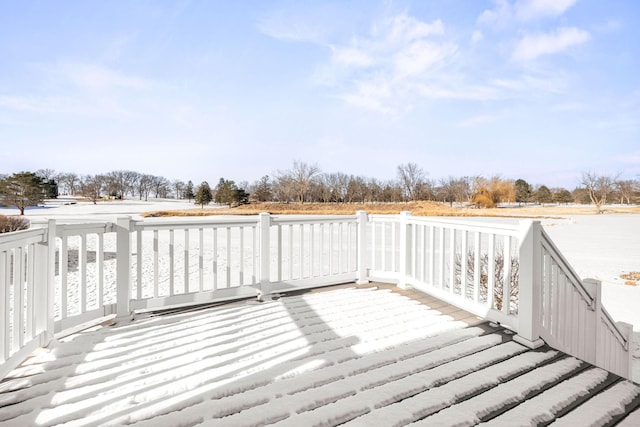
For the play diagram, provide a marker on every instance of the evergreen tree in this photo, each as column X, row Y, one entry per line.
column 188, row 191
column 203, row 194
column 242, row 197
column 21, row 190
column 562, row 195
column 262, row 191
column 523, row 191
column 226, row 192
column 51, row 188
column 543, row 195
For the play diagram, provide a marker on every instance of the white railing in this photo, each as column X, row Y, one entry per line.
column 61, row 276
column 197, row 261
column 26, row 294
column 472, row 265
column 85, row 279
column 573, row 318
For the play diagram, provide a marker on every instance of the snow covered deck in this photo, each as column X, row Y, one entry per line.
column 350, row 355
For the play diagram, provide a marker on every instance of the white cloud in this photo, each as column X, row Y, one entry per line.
column 454, row 89
column 527, row 10
column 352, row 57
column 298, row 24
column 533, row 84
column 85, row 90
column 569, row 106
column 42, row 104
column 382, row 70
column 506, row 13
column 95, row 77
column 500, row 16
column 402, row 61
column 477, row 121
column 405, row 29
column 372, row 95
column 533, row 46
column 420, row 57
column 477, row 37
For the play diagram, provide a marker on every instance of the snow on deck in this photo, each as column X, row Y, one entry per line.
column 350, row 356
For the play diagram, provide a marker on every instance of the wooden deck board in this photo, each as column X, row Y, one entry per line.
column 432, row 302
column 320, row 356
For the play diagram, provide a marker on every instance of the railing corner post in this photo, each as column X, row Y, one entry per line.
column 404, row 250
column 264, row 220
column 594, row 287
column 45, row 300
column 363, row 267
column 123, row 265
column 626, row 368
column 529, row 285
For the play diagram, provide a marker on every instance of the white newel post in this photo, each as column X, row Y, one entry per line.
column 529, row 285
column 599, row 349
column 624, row 357
column 617, row 360
column 404, row 250
column 264, row 220
column 123, row 263
column 363, row 267
column 44, row 298
column 626, row 362
column 592, row 337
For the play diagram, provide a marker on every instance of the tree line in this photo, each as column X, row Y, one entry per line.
column 304, row 183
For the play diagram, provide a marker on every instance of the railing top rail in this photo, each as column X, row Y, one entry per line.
column 466, row 222
column 614, row 328
column 18, row 238
column 84, row 228
column 312, row 219
column 199, row 222
column 384, row 217
column 469, row 225
column 574, row 278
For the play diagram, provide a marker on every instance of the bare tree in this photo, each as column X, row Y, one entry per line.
column 335, row 185
column 391, row 193
column 92, row 186
column 69, row 183
column 284, row 188
column 144, row 185
column 411, row 178
column 599, row 188
column 46, row 174
column 160, row 186
column 122, row 182
column 299, row 178
column 356, row 190
column 374, row 191
column 625, row 190
column 178, row 186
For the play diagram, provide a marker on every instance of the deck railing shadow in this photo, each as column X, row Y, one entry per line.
column 97, row 389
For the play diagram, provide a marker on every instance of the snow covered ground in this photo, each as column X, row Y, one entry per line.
column 69, row 208
column 598, row 246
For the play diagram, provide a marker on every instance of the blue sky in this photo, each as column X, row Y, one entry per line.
column 535, row 89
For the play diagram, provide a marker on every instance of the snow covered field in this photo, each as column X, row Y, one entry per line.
column 598, row 246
